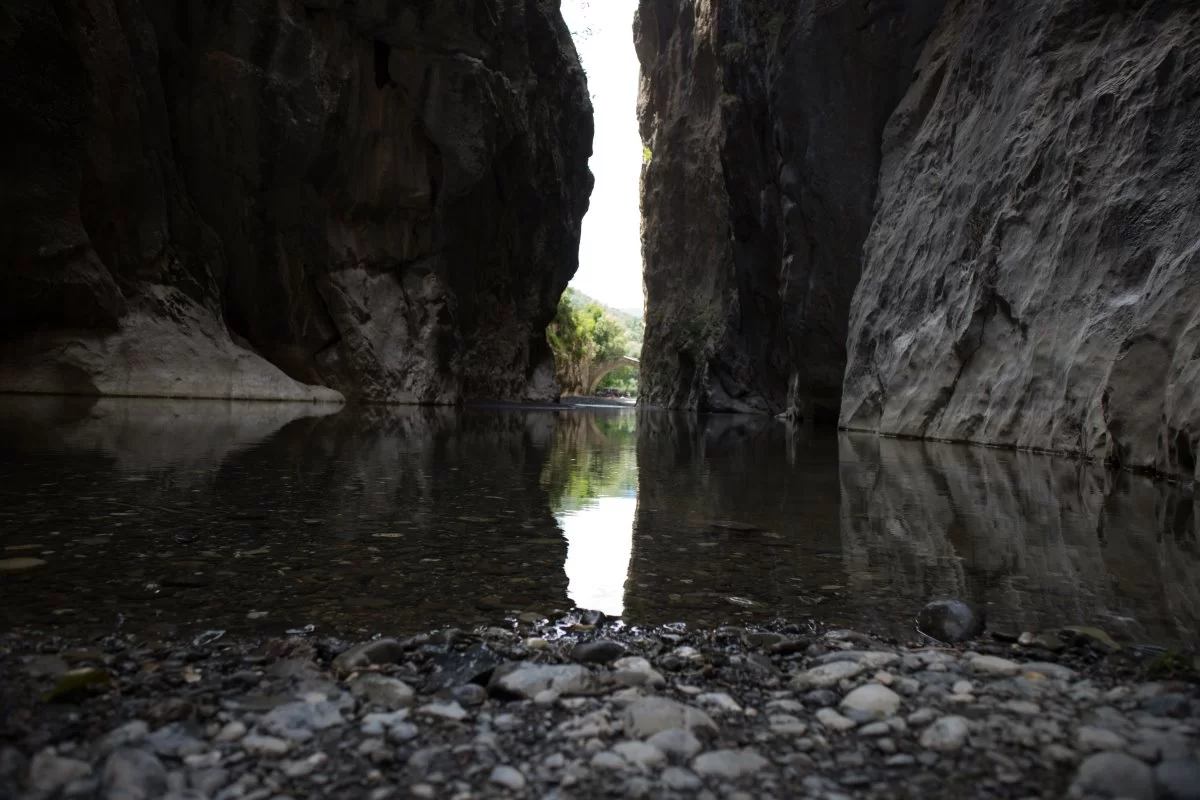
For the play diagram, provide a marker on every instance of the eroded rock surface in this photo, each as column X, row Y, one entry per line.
column 1032, row 276
column 294, row 200
column 1016, row 188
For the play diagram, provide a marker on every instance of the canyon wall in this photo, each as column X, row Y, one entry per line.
column 762, row 123
column 306, row 199
column 1032, row 277
column 1016, row 185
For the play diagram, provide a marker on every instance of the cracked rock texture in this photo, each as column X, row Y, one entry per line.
column 288, row 200
column 763, row 120
column 1032, row 276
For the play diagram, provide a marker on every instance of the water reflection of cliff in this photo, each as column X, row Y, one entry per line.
column 743, row 519
column 194, row 514
column 735, row 519
column 1042, row 541
column 368, row 519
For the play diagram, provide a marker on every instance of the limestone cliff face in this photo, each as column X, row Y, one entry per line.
column 1032, row 276
column 763, row 119
column 297, row 199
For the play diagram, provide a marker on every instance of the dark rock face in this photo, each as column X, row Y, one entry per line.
column 1017, row 188
column 287, row 200
column 764, row 121
column 1032, row 275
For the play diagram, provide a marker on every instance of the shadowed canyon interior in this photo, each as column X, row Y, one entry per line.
column 932, row 219
column 385, row 518
column 935, row 219
column 907, row 506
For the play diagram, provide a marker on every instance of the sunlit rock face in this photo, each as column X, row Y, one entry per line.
column 762, row 122
column 1039, row 542
column 303, row 200
column 1032, row 275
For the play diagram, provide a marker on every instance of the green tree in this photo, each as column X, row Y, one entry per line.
column 609, row 336
column 583, row 333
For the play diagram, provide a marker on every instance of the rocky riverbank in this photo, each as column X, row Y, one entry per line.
column 584, row 707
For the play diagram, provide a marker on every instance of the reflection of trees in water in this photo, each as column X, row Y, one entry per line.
column 591, row 456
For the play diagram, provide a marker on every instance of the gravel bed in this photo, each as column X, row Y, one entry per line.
column 565, row 709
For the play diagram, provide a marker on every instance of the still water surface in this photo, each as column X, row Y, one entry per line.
column 174, row 516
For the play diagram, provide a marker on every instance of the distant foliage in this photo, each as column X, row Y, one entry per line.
column 623, row 379
column 584, row 333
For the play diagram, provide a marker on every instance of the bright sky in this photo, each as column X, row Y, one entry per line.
column 610, row 255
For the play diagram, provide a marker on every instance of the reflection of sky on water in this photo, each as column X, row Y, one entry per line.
column 599, row 543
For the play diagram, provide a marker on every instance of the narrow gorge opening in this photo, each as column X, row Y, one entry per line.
column 597, row 332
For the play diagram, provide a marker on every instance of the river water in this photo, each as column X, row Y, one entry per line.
column 169, row 517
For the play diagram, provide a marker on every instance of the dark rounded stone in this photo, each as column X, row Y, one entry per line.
column 470, row 695
column 601, row 651
column 951, row 621
column 671, row 663
column 821, row 698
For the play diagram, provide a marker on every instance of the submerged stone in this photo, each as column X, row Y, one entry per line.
column 379, row 651
column 601, row 651
column 951, row 621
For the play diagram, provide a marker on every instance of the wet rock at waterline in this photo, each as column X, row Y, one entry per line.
column 305, row 201
column 951, row 621
column 601, row 651
column 379, row 651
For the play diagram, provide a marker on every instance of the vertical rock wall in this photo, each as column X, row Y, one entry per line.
column 288, row 199
column 1032, row 277
column 1018, row 187
column 763, row 121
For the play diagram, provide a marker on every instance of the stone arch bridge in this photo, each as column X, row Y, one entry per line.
column 597, row 372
